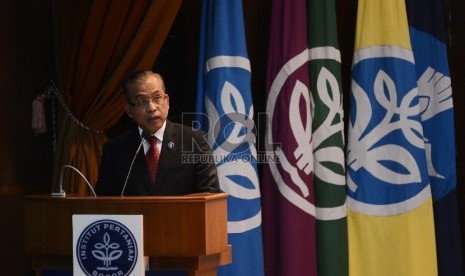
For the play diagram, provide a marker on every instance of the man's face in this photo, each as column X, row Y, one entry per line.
column 151, row 104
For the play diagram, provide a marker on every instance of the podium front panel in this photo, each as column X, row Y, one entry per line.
column 174, row 226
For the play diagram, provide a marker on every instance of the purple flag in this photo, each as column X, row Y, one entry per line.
column 287, row 195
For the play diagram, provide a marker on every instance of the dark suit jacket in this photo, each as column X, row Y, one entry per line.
column 180, row 169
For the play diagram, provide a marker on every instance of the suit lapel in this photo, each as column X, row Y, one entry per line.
column 168, row 155
column 140, row 172
column 143, row 173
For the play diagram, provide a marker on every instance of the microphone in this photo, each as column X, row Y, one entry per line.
column 62, row 193
column 145, row 133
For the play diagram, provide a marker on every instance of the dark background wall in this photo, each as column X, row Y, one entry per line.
column 27, row 65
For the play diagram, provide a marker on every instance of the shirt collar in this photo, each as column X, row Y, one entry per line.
column 158, row 134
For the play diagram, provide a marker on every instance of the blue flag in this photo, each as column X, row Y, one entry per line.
column 434, row 87
column 225, row 111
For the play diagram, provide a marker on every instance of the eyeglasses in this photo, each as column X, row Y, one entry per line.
column 144, row 102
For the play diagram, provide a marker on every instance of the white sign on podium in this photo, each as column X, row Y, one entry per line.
column 107, row 245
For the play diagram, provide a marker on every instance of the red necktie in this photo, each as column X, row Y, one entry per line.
column 152, row 158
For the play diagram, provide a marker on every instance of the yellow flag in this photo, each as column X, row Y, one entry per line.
column 390, row 212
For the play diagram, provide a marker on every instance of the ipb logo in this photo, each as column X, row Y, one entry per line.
column 106, row 247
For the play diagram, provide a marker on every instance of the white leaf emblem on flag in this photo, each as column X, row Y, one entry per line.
column 435, row 93
column 328, row 129
column 229, row 168
column 363, row 151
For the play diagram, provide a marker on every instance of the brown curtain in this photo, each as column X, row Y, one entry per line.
column 97, row 43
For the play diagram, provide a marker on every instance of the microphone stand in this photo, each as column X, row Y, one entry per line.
column 144, row 134
column 62, row 193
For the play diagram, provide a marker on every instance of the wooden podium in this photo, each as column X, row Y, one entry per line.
column 180, row 232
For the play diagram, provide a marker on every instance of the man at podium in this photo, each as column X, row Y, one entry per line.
column 158, row 157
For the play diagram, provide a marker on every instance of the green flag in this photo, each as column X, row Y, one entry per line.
column 328, row 138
